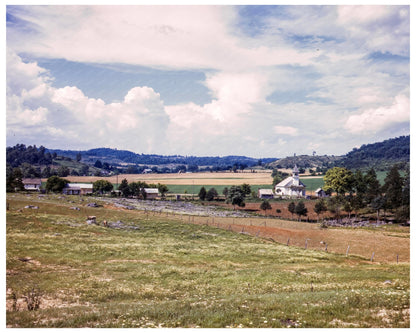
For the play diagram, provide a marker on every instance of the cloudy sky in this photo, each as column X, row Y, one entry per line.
column 261, row 81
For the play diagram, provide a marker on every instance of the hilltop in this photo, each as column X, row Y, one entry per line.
column 305, row 161
column 380, row 155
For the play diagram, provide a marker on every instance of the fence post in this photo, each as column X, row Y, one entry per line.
column 397, row 259
column 348, row 249
column 287, row 244
column 372, row 257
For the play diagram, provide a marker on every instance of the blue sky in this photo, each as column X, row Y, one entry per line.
column 261, row 81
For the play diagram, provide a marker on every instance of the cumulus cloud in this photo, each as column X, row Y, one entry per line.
column 295, row 86
column 375, row 120
column 65, row 115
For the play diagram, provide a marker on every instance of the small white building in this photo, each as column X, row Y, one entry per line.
column 264, row 193
column 291, row 186
column 77, row 189
column 32, row 184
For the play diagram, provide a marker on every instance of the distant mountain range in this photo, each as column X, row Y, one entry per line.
column 123, row 157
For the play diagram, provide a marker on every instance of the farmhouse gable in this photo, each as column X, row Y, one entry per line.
column 32, row 184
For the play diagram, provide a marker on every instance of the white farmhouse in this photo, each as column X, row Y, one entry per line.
column 291, row 186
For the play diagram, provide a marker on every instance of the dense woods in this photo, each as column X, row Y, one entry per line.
column 381, row 155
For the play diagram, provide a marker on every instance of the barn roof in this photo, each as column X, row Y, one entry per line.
column 32, row 181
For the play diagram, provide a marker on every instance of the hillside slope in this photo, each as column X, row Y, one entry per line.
column 380, row 155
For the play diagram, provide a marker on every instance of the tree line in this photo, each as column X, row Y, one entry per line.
column 356, row 191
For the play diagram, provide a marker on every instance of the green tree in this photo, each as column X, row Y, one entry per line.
column 348, row 208
column 360, row 183
column 225, row 192
column 301, row 210
column 291, row 207
column 246, row 189
column 373, row 186
column 340, row 180
column 335, row 205
column 163, row 189
column 14, row 181
column 211, row 194
column 320, row 207
column 79, row 157
column 63, row 171
column 378, row 203
column 393, row 184
column 84, row 170
column 265, row 205
column 55, row 184
column 202, row 193
column 102, row 186
column 124, row 188
column 236, row 196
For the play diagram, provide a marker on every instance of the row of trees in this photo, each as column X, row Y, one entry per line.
column 137, row 189
column 357, row 190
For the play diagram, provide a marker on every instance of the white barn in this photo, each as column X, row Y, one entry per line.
column 77, row 189
column 291, row 186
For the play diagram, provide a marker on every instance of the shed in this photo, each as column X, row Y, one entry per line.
column 265, row 193
column 320, row 193
column 151, row 193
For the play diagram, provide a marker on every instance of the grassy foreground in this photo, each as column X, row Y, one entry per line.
column 164, row 273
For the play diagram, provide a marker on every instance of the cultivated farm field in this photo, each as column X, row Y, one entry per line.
column 199, row 178
column 163, row 269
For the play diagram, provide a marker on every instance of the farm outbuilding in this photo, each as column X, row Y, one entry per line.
column 151, row 193
column 320, row 193
column 32, row 184
column 265, row 193
column 77, row 189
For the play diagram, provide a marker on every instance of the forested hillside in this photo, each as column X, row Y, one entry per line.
column 380, row 156
column 115, row 156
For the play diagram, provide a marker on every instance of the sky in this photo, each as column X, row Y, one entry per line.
column 207, row 80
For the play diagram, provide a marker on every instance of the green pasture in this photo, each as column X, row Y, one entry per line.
column 161, row 272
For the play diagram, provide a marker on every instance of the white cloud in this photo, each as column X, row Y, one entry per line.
column 375, row 120
column 381, row 28
column 156, row 36
column 303, row 78
column 286, row 130
column 65, row 115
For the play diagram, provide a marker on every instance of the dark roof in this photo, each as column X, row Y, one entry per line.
column 32, row 181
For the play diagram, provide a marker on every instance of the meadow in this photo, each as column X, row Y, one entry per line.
column 157, row 270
